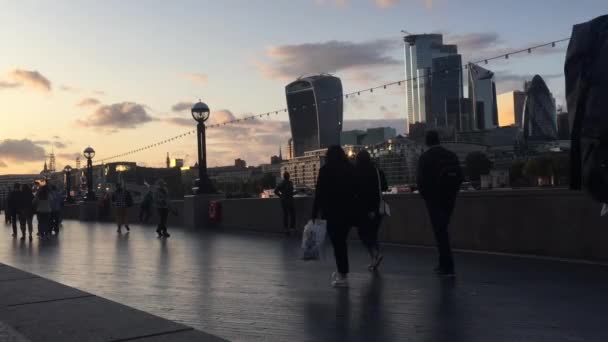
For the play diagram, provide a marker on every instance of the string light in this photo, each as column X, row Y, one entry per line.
column 347, row 96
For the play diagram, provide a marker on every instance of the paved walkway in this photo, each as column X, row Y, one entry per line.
column 252, row 287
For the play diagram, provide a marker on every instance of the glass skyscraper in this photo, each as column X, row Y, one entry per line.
column 419, row 52
column 540, row 114
column 315, row 112
column 482, row 88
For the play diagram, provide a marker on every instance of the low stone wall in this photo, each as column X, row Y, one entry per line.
column 557, row 223
column 94, row 213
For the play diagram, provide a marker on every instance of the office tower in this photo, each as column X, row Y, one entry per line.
column 510, row 108
column 446, row 83
column 315, row 112
column 563, row 126
column 540, row 115
column 483, row 89
column 168, row 161
column 419, row 53
column 354, row 137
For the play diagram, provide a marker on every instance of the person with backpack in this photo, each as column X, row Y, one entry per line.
column 586, row 71
column 370, row 182
column 42, row 202
column 285, row 192
column 439, row 180
column 11, row 206
column 122, row 202
column 334, row 202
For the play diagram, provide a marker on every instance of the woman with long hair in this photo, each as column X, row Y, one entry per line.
column 334, row 199
column 369, row 184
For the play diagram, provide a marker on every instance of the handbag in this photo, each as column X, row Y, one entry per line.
column 384, row 209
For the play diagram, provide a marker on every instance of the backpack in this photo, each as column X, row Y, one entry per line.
column 586, row 71
column 449, row 173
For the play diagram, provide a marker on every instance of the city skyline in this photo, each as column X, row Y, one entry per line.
column 116, row 88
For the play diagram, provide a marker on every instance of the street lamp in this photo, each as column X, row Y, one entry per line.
column 200, row 113
column 68, row 183
column 89, row 153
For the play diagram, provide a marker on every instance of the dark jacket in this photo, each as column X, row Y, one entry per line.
column 25, row 203
column 13, row 201
column 367, row 190
column 335, row 192
column 429, row 172
column 285, row 191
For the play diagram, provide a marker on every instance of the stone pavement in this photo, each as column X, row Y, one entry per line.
column 252, row 287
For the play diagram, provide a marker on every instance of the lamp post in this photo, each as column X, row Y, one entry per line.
column 68, row 183
column 200, row 113
column 89, row 153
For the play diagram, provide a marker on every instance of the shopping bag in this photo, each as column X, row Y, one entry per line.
column 604, row 211
column 312, row 239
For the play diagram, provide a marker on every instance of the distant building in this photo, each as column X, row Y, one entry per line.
column 398, row 159
column 290, row 154
column 304, row 170
column 370, row 136
column 315, row 108
column 501, row 136
column 563, row 126
column 540, row 113
column 168, row 161
column 459, row 114
column 511, row 108
column 176, row 162
column 446, row 83
column 482, row 89
column 420, row 52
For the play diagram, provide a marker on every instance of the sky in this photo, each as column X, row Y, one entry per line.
column 117, row 75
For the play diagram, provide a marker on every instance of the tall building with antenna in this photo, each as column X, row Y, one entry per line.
column 52, row 164
column 168, row 161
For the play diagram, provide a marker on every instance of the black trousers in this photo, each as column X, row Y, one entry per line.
column 289, row 214
column 338, row 230
column 163, row 214
column 440, row 212
column 25, row 220
column 13, row 216
column 368, row 233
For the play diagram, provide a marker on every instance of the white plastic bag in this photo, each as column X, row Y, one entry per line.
column 604, row 211
column 312, row 239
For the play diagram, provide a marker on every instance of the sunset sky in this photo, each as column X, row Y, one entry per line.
column 118, row 74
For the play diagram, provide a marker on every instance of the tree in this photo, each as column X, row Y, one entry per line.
column 477, row 164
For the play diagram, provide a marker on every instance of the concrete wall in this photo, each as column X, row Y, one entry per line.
column 75, row 212
column 557, row 223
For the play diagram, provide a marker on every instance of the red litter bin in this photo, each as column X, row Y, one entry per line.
column 215, row 211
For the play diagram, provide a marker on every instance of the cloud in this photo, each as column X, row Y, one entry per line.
column 88, row 102
column 182, row 106
column 31, row 78
column 291, row 61
column 56, row 144
column 118, row 115
column 507, row 81
column 68, row 156
column 3, row 164
column 99, row 92
column 197, row 77
column 363, row 124
column 216, row 117
column 69, row 88
column 8, row 85
column 470, row 42
column 378, row 3
column 21, row 150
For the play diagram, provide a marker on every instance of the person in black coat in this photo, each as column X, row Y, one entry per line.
column 12, row 205
column 439, row 179
column 285, row 192
column 369, row 182
column 334, row 201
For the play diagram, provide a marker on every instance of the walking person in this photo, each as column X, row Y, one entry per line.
column 334, row 199
column 285, row 192
column 369, row 184
column 439, row 180
column 56, row 206
column 145, row 208
column 161, row 202
column 122, row 201
column 42, row 202
column 26, row 210
column 11, row 206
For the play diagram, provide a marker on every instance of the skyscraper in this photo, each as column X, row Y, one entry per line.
column 446, row 83
column 419, row 52
column 483, row 89
column 315, row 112
column 540, row 114
column 510, row 108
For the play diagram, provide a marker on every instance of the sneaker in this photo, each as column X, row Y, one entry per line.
column 165, row 234
column 375, row 263
column 128, row 229
column 31, row 238
column 159, row 232
column 119, row 231
column 23, row 237
column 339, row 280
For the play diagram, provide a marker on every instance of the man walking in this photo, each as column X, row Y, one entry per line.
column 439, row 180
column 11, row 207
column 285, row 192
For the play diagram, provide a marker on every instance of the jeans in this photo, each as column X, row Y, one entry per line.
column 440, row 212
column 163, row 214
column 44, row 223
column 368, row 233
column 289, row 214
column 25, row 219
column 338, row 234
